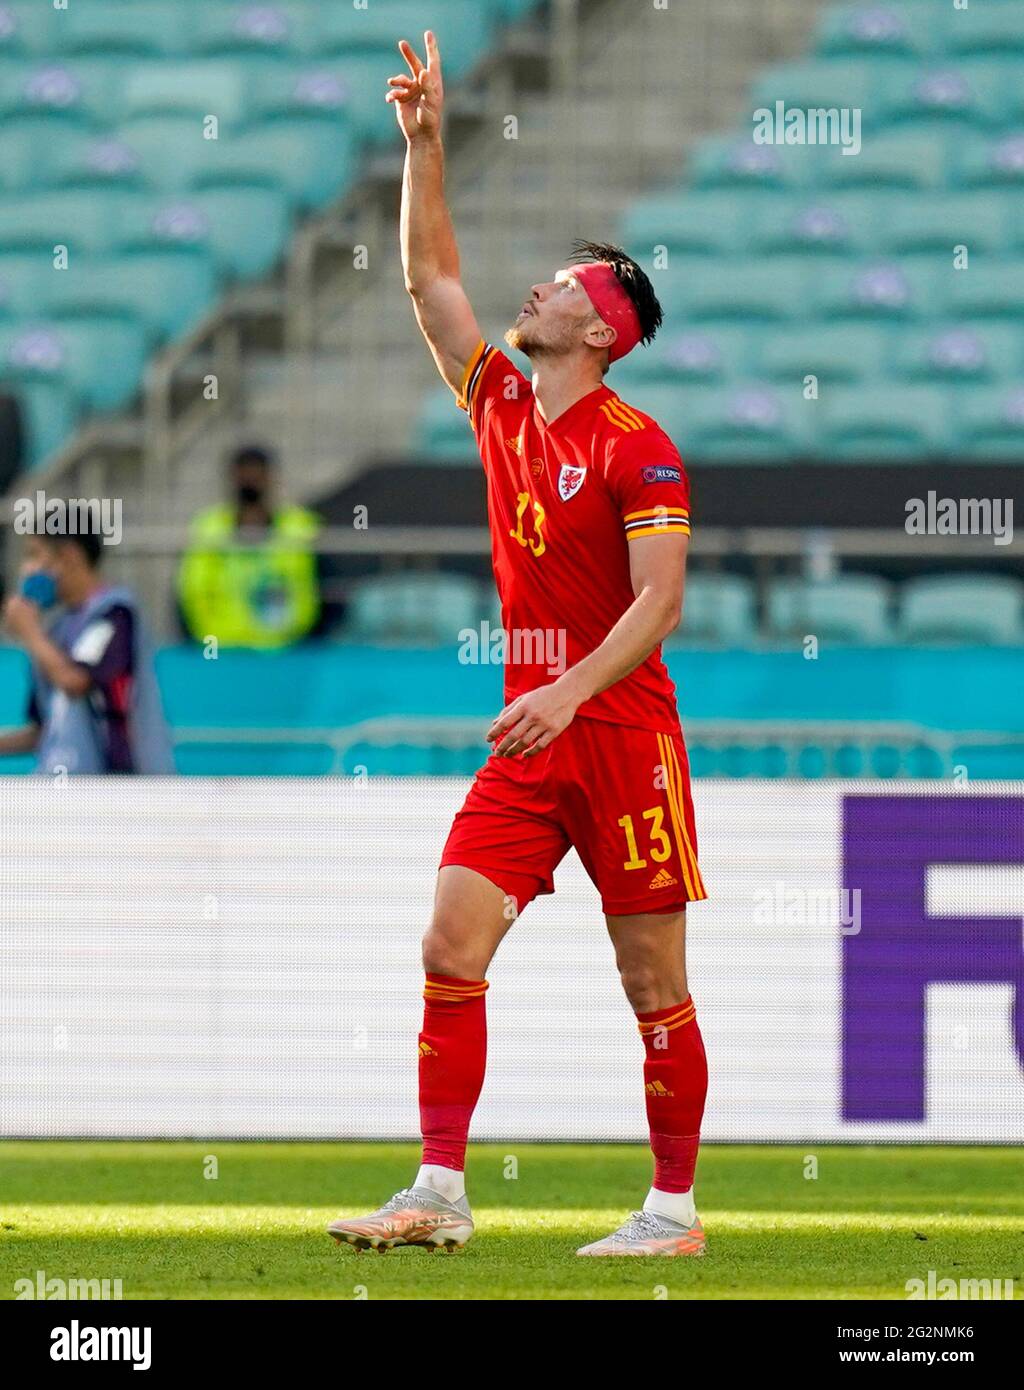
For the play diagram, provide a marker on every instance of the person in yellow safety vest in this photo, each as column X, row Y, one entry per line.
column 249, row 577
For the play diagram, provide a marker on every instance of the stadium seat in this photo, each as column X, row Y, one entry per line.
column 83, row 221
column 884, row 290
column 993, row 29
column 769, row 290
column 917, row 159
column 851, row 608
column 86, row 89
column 28, row 282
column 988, row 290
column 834, row 353
column 244, row 229
column 812, row 224
column 938, row 222
column 200, row 87
column 898, row 30
column 735, row 162
column 100, row 360
column 741, row 422
column 719, row 609
column 124, row 27
column 310, row 163
column 27, row 149
column 989, row 162
column 824, row 83
column 990, row 424
column 432, row 608
column 28, row 29
column 690, row 224
column 962, row 95
column 227, row 30
column 960, row 352
column 873, row 423
column 985, row 609
column 166, row 291
column 705, row 352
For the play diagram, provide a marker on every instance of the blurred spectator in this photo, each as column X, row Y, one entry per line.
column 250, row 575
column 95, row 705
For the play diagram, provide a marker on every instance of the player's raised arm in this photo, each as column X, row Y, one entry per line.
column 430, row 257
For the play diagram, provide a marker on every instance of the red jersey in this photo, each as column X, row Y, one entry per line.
column 564, row 499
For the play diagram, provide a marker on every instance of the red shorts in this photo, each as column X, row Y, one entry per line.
column 619, row 795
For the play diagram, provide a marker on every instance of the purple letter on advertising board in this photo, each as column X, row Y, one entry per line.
column 888, row 844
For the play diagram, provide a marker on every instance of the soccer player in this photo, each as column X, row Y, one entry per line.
column 589, row 518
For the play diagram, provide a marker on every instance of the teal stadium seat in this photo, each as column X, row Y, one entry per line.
column 310, row 163
column 84, row 88
column 840, row 353
column 83, row 221
column 243, row 229
column 988, row 290
column 851, row 608
column 718, row 610
column 196, row 87
column 962, row 95
column 989, row 162
column 28, row 148
column 464, row 28
column 774, row 291
column 166, row 291
column 821, row 83
column 227, row 30
column 28, row 283
column 937, row 222
column 984, row 609
column 443, row 433
column 126, row 27
column 899, row 30
column 690, row 224
column 990, row 424
column 916, row 159
column 715, row 352
column 432, row 608
column 735, row 162
column 815, row 224
column 743, row 422
column 28, row 29
column 886, row 291
column 99, row 360
column 961, row 353
column 879, row 423
column 993, row 29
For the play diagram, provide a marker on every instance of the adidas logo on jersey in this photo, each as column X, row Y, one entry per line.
column 663, row 879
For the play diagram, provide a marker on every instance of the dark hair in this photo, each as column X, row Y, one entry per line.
column 632, row 279
column 55, row 531
column 252, row 453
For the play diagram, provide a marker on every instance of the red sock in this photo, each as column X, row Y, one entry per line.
column 676, row 1085
column 453, row 1054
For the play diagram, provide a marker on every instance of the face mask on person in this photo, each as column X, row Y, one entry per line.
column 40, row 587
column 249, row 494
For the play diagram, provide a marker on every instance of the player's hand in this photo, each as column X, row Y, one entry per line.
column 418, row 99
column 21, row 617
column 533, row 721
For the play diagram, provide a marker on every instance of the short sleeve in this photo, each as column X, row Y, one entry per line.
column 490, row 377
column 104, row 648
column 649, row 483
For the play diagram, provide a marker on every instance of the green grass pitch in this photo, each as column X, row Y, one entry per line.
column 873, row 1218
